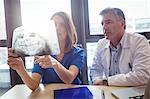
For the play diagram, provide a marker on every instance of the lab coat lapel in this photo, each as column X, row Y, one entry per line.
column 107, row 58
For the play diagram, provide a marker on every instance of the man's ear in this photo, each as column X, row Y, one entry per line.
column 123, row 24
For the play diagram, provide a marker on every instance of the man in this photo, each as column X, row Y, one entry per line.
column 121, row 59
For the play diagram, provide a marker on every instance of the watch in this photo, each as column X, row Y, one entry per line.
column 105, row 82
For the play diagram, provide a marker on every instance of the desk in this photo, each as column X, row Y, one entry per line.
column 46, row 91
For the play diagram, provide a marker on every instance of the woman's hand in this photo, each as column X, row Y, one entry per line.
column 14, row 61
column 44, row 61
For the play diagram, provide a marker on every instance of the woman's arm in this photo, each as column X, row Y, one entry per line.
column 16, row 63
column 66, row 75
column 31, row 81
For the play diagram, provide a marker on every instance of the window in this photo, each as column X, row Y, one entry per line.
column 37, row 12
column 2, row 21
column 91, row 47
column 136, row 12
column 4, row 68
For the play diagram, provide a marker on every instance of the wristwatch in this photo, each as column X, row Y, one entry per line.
column 105, row 82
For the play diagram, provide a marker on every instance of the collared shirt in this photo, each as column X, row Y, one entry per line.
column 134, row 61
column 114, row 60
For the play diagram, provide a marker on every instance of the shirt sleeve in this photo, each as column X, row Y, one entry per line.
column 96, row 70
column 37, row 69
column 78, row 59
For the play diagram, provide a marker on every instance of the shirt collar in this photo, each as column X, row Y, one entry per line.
column 115, row 49
column 107, row 44
column 124, row 43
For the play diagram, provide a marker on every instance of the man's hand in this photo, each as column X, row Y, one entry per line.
column 98, row 82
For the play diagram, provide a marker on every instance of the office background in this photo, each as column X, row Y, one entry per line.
column 85, row 14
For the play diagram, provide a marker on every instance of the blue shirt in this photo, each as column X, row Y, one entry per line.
column 73, row 57
column 114, row 60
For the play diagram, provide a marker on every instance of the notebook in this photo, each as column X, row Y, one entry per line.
column 78, row 93
column 129, row 93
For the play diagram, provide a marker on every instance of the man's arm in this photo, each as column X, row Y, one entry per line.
column 140, row 73
column 97, row 70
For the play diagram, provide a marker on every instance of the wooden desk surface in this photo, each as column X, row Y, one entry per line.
column 46, row 92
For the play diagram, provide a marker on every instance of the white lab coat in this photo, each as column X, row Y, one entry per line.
column 134, row 62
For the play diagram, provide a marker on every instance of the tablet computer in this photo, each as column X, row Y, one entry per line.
column 73, row 93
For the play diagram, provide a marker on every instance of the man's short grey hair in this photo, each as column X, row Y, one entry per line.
column 116, row 11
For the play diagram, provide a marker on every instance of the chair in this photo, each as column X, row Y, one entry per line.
column 84, row 74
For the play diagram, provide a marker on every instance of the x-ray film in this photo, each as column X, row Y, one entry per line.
column 36, row 41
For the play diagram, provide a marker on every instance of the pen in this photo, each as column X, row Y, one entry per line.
column 130, row 66
column 103, row 94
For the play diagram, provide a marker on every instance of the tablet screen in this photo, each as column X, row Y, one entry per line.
column 73, row 93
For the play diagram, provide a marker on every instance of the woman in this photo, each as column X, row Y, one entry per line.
column 62, row 68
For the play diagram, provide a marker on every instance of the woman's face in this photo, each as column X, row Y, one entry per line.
column 61, row 31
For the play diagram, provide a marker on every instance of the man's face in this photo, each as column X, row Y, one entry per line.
column 112, row 27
